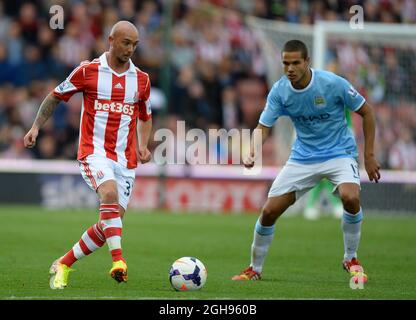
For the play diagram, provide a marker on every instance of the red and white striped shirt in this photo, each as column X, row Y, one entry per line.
column 111, row 104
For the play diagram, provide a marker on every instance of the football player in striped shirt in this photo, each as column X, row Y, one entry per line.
column 114, row 132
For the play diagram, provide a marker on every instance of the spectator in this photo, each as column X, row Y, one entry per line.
column 403, row 152
column 217, row 70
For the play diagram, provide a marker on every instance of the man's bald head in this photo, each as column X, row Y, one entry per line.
column 123, row 40
column 122, row 28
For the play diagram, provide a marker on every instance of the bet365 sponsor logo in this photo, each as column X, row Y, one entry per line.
column 112, row 106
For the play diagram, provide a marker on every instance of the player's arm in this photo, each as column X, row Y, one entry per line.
column 74, row 83
column 254, row 144
column 272, row 111
column 46, row 109
column 143, row 131
column 144, row 127
column 369, row 127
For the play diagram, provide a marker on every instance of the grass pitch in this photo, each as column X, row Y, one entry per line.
column 304, row 261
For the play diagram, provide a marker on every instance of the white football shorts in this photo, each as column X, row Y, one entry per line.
column 303, row 177
column 98, row 169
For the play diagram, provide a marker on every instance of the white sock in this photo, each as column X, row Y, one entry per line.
column 351, row 227
column 263, row 237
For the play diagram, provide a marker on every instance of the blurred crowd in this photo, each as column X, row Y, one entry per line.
column 208, row 70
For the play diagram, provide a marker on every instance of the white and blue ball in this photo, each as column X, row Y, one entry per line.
column 187, row 274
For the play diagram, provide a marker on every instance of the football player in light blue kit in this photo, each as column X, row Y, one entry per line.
column 315, row 100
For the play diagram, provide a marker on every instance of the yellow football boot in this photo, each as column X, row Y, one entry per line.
column 119, row 271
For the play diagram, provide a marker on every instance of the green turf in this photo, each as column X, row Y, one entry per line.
column 303, row 261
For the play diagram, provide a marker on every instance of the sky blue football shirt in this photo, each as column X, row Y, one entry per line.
column 318, row 114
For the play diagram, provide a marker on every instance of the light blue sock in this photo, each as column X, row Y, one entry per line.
column 351, row 228
column 263, row 237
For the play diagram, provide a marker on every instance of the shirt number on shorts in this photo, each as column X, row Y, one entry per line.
column 356, row 171
column 128, row 187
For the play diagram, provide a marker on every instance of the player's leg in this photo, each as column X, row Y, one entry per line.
column 291, row 183
column 95, row 171
column 351, row 228
column 345, row 176
column 91, row 240
column 264, row 233
column 352, row 218
column 265, row 225
column 110, row 218
column 111, row 223
column 336, row 203
column 124, row 180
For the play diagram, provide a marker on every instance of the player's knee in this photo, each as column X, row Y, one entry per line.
column 351, row 202
column 109, row 195
column 269, row 215
column 121, row 211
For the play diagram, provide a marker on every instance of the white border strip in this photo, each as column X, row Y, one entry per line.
column 230, row 172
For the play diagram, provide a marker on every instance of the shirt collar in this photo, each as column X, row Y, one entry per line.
column 307, row 87
column 104, row 64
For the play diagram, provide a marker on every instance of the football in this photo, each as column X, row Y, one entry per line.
column 187, row 274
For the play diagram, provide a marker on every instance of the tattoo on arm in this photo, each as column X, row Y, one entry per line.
column 46, row 109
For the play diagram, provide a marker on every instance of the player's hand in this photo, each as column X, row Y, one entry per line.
column 29, row 140
column 373, row 168
column 144, row 155
column 249, row 161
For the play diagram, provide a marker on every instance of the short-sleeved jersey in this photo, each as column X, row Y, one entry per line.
column 318, row 115
column 111, row 105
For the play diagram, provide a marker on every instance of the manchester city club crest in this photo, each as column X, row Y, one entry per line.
column 320, row 102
